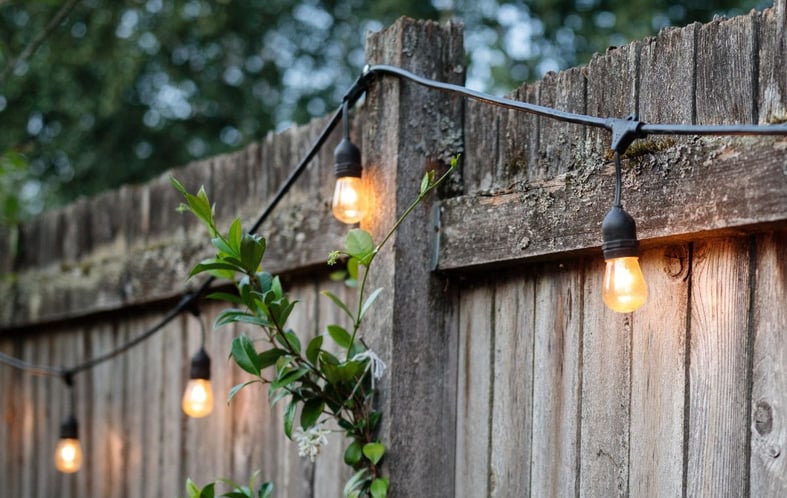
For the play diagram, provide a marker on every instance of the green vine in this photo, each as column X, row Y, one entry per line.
column 311, row 380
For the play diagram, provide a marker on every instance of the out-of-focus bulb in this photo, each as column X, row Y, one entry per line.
column 68, row 452
column 198, row 398
column 68, row 455
column 625, row 289
column 348, row 201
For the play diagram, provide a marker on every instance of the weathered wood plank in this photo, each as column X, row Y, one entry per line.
column 725, row 75
column 612, row 91
column 719, row 360
column 606, row 392
column 773, row 59
column 410, row 130
column 673, row 194
column 512, row 399
column 658, row 375
column 769, row 378
column 666, row 76
column 556, row 380
column 474, row 391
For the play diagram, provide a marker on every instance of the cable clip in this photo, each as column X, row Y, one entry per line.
column 624, row 132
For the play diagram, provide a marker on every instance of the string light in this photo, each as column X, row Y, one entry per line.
column 348, row 198
column 198, row 395
column 624, row 286
column 68, row 452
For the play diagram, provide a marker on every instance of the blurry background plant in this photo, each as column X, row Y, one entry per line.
column 324, row 385
column 96, row 93
column 265, row 489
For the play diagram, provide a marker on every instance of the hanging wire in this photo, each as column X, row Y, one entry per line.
column 624, row 131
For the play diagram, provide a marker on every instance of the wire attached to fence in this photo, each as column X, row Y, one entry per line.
column 623, row 130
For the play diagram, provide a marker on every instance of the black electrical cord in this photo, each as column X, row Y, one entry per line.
column 624, row 132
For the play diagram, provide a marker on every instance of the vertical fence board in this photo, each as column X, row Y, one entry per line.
column 725, row 71
column 512, row 388
column 718, row 369
column 102, row 470
column 658, row 375
column 476, row 331
column 556, row 374
column 666, row 77
column 769, row 390
column 561, row 145
column 773, row 59
column 606, row 387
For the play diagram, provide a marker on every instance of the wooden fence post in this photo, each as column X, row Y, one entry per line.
column 408, row 130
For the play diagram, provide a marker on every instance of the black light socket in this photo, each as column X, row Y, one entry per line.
column 348, row 159
column 69, row 428
column 200, row 365
column 620, row 234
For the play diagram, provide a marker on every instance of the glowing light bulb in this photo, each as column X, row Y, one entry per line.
column 624, row 287
column 198, row 398
column 68, row 455
column 348, row 203
column 68, row 452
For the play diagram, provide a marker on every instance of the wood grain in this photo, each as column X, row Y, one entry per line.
column 658, row 375
column 769, row 384
column 719, row 360
column 606, row 392
column 557, row 350
column 474, row 392
column 773, row 59
column 512, row 388
column 673, row 194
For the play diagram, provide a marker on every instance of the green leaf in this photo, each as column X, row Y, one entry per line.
column 340, row 336
column 374, row 452
column 379, row 487
column 270, row 356
column 265, row 280
column 235, row 389
column 369, row 302
column 213, row 264
column 289, row 378
column 235, row 235
column 289, row 417
column 225, row 296
column 208, row 491
column 338, row 302
column 277, row 288
column 374, row 419
column 220, row 244
column 245, row 355
column 233, row 315
column 312, row 410
column 313, row 349
column 356, row 482
column 353, row 454
column 358, row 243
column 192, row 490
column 291, row 340
column 265, row 490
column 252, row 248
column 276, row 395
column 425, row 183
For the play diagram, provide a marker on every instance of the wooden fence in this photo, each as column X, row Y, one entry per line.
column 507, row 375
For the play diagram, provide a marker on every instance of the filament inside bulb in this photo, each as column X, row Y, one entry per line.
column 68, row 455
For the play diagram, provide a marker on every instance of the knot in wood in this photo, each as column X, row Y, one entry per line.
column 763, row 418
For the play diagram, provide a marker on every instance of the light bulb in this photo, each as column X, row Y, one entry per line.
column 68, row 455
column 198, row 398
column 68, row 452
column 624, row 287
column 348, row 203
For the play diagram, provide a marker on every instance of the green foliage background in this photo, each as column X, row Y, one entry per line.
column 122, row 90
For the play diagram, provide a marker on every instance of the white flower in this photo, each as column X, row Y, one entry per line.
column 310, row 440
column 375, row 363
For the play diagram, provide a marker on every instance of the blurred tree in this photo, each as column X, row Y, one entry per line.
column 96, row 93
